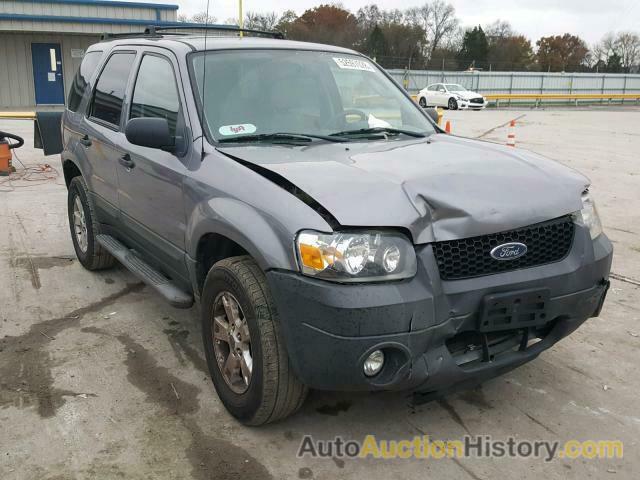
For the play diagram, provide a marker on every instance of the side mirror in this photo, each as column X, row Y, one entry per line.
column 150, row 132
column 433, row 113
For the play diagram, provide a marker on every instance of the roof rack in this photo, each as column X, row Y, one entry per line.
column 160, row 30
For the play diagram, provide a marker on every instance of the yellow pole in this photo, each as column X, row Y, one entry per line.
column 240, row 17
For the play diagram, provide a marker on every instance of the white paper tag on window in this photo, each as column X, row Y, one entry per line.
column 237, row 129
column 354, row 64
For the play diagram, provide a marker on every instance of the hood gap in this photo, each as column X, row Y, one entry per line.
column 294, row 190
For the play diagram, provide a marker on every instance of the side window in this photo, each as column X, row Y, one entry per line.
column 109, row 93
column 87, row 67
column 156, row 95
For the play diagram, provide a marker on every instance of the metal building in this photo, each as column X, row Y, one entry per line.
column 42, row 43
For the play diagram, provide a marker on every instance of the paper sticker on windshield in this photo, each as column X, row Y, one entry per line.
column 354, row 64
column 237, row 129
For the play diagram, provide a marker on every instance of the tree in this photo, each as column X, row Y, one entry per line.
column 369, row 17
column 437, row 19
column 621, row 48
column 475, row 48
column 261, row 21
column 404, row 46
column 614, row 63
column 627, row 46
column 326, row 24
column 202, row 17
column 561, row 52
column 507, row 49
column 285, row 21
column 376, row 43
column 499, row 29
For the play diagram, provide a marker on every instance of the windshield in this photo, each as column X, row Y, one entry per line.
column 263, row 92
column 452, row 87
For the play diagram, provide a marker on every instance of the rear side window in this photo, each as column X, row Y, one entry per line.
column 156, row 95
column 109, row 94
column 87, row 67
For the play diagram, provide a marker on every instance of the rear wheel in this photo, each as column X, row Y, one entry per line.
column 84, row 228
column 243, row 343
column 453, row 104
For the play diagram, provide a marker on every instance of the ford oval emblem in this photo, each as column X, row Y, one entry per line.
column 509, row 251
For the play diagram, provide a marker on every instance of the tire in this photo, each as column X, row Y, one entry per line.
column 273, row 392
column 93, row 256
column 452, row 104
column 423, row 102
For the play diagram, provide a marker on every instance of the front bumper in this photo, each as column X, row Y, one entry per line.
column 467, row 104
column 330, row 329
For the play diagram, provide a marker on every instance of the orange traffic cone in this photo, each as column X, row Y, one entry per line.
column 447, row 127
column 511, row 135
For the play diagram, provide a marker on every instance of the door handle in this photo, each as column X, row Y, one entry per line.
column 126, row 162
column 86, row 141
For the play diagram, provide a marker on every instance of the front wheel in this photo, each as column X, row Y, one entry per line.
column 243, row 343
column 423, row 102
column 453, row 104
column 84, row 228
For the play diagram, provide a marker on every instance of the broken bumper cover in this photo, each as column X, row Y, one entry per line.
column 429, row 329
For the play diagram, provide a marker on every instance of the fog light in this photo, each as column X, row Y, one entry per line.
column 373, row 363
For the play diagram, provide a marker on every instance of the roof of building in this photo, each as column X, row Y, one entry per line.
column 107, row 3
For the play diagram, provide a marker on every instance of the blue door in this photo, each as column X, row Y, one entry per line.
column 47, row 73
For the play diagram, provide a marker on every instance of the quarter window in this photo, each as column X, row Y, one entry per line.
column 80, row 81
column 156, row 95
column 109, row 94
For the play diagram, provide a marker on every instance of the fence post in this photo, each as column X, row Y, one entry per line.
column 624, row 88
column 511, row 88
column 604, row 78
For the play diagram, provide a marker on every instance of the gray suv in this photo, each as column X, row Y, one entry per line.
column 334, row 236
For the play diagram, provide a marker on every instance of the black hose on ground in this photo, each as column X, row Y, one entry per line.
column 17, row 138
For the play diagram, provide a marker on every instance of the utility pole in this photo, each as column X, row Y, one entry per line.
column 240, row 18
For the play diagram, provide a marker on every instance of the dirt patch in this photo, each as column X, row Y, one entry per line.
column 334, row 410
column 476, row 398
column 25, row 364
column 160, row 386
column 33, row 265
column 210, row 457
column 183, row 348
column 453, row 414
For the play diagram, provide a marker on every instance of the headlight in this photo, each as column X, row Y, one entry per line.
column 356, row 256
column 588, row 216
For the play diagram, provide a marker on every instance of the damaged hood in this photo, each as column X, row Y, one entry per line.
column 439, row 189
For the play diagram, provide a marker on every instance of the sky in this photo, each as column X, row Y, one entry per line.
column 589, row 19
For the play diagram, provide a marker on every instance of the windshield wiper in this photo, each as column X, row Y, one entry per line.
column 382, row 130
column 280, row 137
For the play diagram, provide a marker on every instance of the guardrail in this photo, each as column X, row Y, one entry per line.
column 575, row 97
column 18, row 115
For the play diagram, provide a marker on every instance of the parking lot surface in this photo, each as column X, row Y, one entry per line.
column 99, row 378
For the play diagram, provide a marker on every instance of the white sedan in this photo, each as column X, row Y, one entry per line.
column 450, row 95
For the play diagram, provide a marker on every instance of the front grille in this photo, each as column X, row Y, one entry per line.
column 477, row 100
column 546, row 242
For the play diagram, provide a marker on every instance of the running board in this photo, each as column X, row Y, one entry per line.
column 145, row 272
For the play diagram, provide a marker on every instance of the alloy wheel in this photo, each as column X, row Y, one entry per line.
column 80, row 224
column 232, row 342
